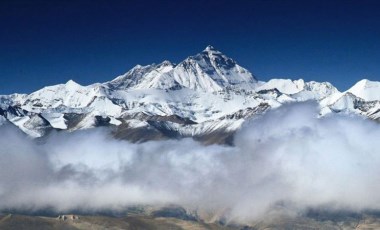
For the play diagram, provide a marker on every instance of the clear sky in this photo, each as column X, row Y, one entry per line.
column 49, row 42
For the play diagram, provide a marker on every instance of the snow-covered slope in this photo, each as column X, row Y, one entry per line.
column 206, row 96
column 211, row 71
column 207, row 71
column 70, row 97
column 142, row 76
column 367, row 90
column 299, row 90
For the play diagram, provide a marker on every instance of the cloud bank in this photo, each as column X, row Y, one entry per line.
column 287, row 160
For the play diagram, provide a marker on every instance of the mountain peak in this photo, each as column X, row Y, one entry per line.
column 138, row 66
column 210, row 48
column 367, row 83
column 366, row 89
column 72, row 84
column 209, row 70
column 210, row 55
column 166, row 63
column 211, row 51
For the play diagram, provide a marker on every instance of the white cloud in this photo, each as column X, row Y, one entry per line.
column 286, row 160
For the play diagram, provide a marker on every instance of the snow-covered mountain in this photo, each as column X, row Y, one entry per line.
column 206, row 96
column 208, row 71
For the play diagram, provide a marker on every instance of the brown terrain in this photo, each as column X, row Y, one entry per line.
column 68, row 222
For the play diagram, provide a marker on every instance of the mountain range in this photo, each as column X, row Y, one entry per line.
column 207, row 96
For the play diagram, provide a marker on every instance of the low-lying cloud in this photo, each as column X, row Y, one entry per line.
column 287, row 160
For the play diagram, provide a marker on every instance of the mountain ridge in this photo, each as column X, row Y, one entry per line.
column 205, row 94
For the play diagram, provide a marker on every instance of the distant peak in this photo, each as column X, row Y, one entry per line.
column 140, row 67
column 210, row 48
column 137, row 66
column 166, row 63
column 72, row 83
column 366, row 89
column 365, row 83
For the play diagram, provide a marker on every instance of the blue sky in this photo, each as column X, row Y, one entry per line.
column 49, row 42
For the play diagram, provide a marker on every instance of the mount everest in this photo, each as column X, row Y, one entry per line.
column 207, row 96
